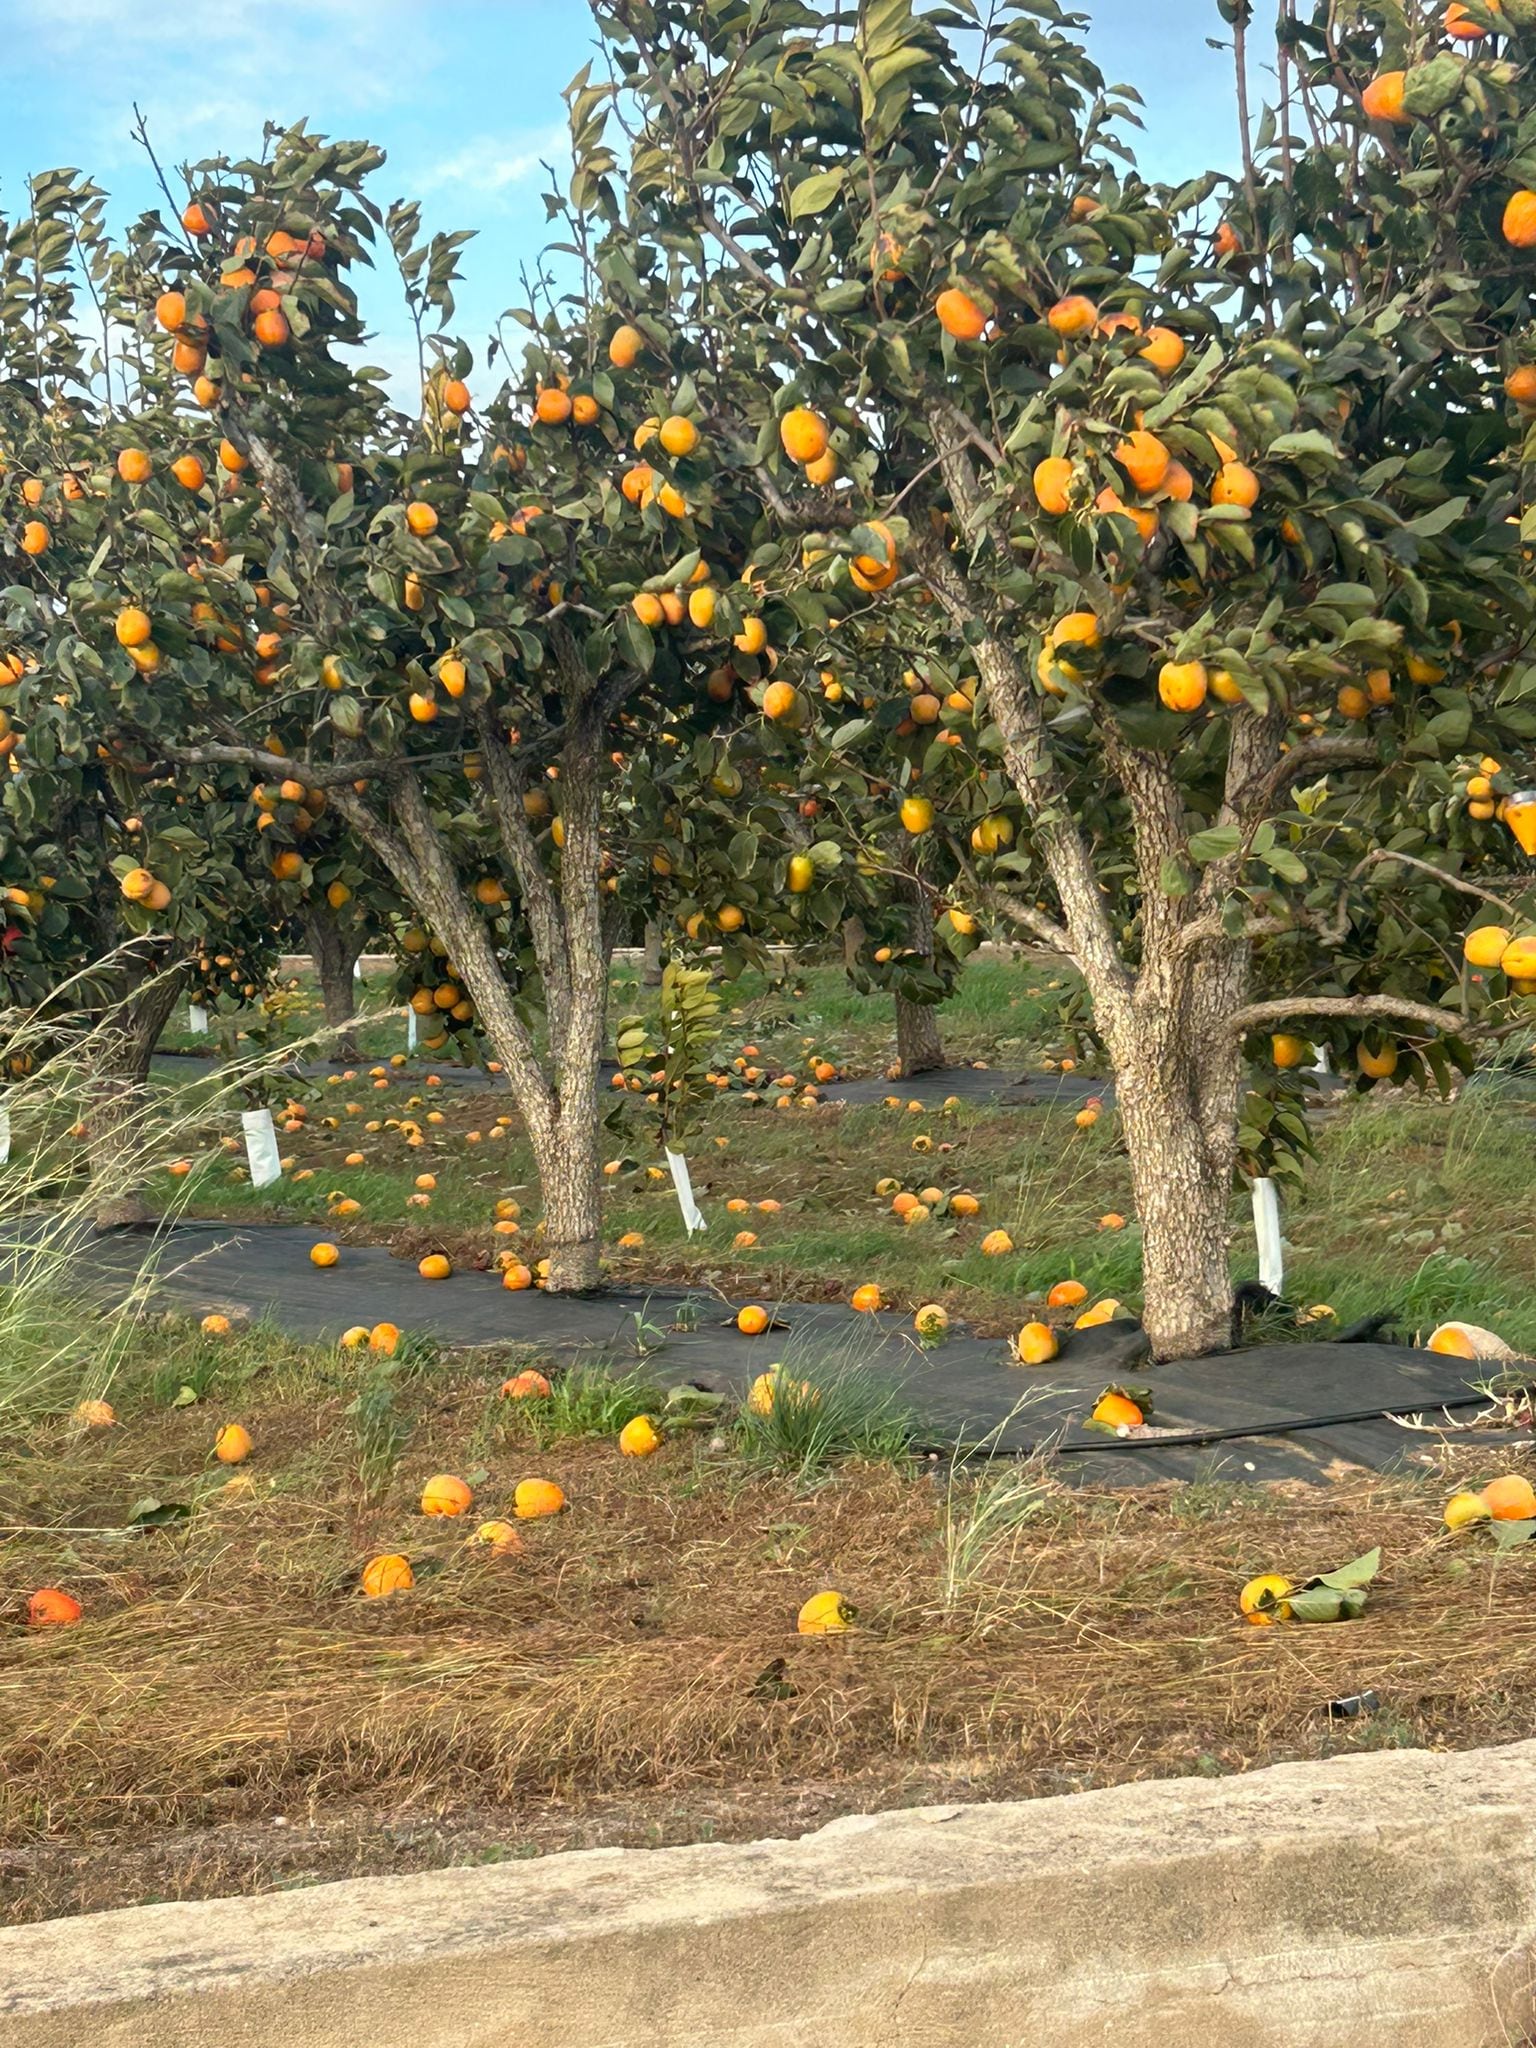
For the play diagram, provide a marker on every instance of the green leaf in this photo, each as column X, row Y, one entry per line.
column 1359, row 1572
column 814, row 194
column 1220, row 842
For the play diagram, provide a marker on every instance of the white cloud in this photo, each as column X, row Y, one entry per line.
column 491, row 163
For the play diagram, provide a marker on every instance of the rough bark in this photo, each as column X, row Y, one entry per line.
column 651, row 969
column 919, row 1047
column 120, row 1052
column 335, row 947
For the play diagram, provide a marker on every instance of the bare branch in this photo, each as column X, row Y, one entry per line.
column 1028, row 919
column 1384, row 856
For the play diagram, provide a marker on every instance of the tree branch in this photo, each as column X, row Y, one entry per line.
column 1363, row 1009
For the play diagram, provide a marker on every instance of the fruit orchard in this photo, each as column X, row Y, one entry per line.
column 964, row 533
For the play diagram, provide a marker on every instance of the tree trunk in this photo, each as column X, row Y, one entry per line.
column 919, row 1048
column 335, row 949
column 117, row 1098
column 650, row 973
column 1183, row 1190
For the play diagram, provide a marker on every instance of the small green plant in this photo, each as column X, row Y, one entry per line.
column 680, row 1046
column 817, row 1418
column 589, row 1400
column 382, row 1431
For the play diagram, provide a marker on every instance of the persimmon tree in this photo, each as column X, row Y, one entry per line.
column 1218, row 490
column 446, row 628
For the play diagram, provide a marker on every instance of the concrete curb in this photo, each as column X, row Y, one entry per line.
column 1361, row 1903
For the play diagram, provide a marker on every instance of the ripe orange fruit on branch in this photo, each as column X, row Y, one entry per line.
column 456, row 395
column 134, row 466
column 552, row 407
column 1227, row 242
column 959, row 315
column 1072, row 315
column 1235, row 484
column 1052, row 481
column 624, row 346
column 189, row 472
column 194, row 219
column 1486, row 947
column 678, row 435
column 171, row 311
column 35, row 538
column 868, row 571
column 1287, row 1050
column 1383, row 97
column 1520, row 384
column 1519, row 224
column 1460, row 26
column 1143, row 458
column 1518, row 959
column 230, row 458
column 1182, row 685
column 271, row 328
column 1164, row 350
column 421, row 517
column 1378, row 1066
column 133, row 626
column 803, row 434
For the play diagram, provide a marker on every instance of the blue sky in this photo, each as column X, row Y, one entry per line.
column 464, row 97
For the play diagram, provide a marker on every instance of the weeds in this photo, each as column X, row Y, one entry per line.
column 589, row 1400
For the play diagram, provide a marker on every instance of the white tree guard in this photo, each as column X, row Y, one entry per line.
column 1266, row 1228
column 261, row 1146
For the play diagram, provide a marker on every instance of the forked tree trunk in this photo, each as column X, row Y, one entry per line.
column 919, row 1047
column 116, row 1132
column 557, row 1094
column 335, row 949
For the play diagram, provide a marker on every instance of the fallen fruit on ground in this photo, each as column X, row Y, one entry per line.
column 825, row 1614
column 996, row 1242
column 1510, row 1498
column 931, row 1321
column 384, row 1338
column 1464, row 1508
column 502, row 1537
column 1263, row 1599
column 866, row 1298
column 435, row 1266
column 1036, row 1344
column 1066, row 1294
column 527, row 1385
column 50, row 1607
column 323, row 1255
column 535, row 1498
column 1117, row 1411
column 95, row 1414
column 232, row 1445
column 215, row 1326
column 1103, row 1311
column 639, row 1437
column 388, row 1574
column 445, row 1495
column 752, row 1320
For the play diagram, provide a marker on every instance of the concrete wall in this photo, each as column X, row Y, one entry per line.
column 1371, row 1902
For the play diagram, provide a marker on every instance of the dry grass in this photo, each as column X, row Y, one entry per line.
column 623, row 1678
